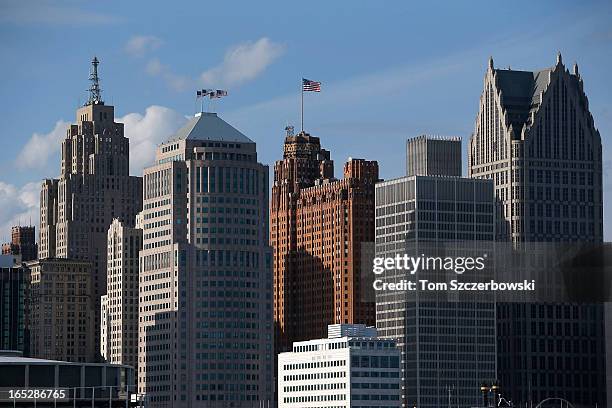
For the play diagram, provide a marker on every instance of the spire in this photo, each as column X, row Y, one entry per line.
column 95, row 92
column 491, row 63
column 576, row 69
column 559, row 58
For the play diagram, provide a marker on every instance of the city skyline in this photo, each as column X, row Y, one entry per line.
column 212, row 244
column 261, row 103
column 194, row 169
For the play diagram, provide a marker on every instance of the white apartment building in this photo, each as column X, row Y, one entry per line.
column 350, row 368
column 119, row 307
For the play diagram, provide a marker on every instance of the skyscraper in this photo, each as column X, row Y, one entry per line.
column 23, row 243
column 205, row 321
column 536, row 139
column 94, row 187
column 318, row 224
column 119, row 313
column 448, row 343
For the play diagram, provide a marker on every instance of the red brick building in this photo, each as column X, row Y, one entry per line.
column 317, row 226
column 23, row 243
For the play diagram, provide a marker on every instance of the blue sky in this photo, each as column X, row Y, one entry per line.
column 390, row 70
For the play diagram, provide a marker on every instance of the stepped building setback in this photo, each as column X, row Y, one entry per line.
column 318, row 225
column 94, row 187
column 448, row 344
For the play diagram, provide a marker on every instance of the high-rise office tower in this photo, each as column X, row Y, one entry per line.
column 61, row 313
column 119, row 313
column 536, row 139
column 448, row 344
column 94, row 187
column 14, row 302
column 318, row 225
column 205, row 321
column 23, row 243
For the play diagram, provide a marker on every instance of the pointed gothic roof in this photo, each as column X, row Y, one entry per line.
column 522, row 84
column 521, row 93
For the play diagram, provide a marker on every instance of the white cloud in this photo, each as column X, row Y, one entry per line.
column 40, row 147
column 174, row 81
column 242, row 63
column 20, row 205
column 154, row 67
column 140, row 45
column 147, row 131
column 42, row 12
column 144, row 131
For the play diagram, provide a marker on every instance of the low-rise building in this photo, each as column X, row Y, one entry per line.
column 352, row 367
column 30, row 382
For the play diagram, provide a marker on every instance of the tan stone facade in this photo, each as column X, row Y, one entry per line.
column 61, row 310
column 119, row 309
column 535, row 137
column 94, row 188
column 205, row 321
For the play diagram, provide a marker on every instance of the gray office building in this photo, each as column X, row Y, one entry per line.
column 205, row 320
column 433, row 156
column 448, row 345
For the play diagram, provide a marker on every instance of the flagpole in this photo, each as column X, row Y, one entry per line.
column 302, row 86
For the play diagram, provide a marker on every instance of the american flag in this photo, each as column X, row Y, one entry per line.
column 202, row 93
column 218, row 93
column 310, row 86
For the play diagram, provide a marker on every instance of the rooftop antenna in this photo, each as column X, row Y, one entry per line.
column 95, row 92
